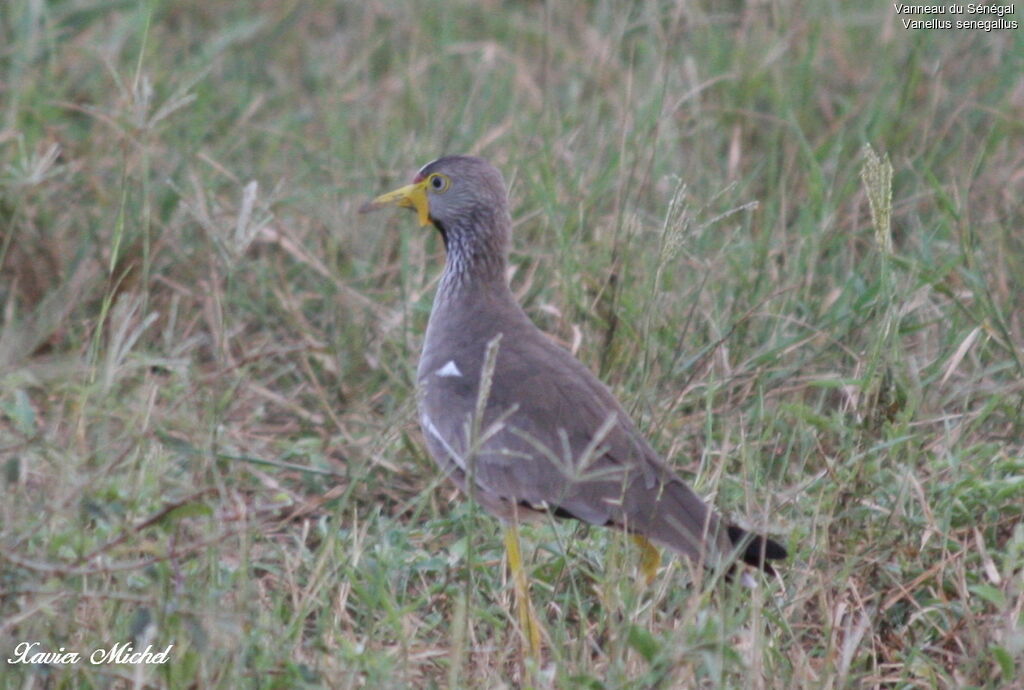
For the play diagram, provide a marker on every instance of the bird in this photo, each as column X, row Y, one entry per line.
column 520, row 424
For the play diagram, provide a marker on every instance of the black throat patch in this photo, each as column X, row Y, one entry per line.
column 444, row 233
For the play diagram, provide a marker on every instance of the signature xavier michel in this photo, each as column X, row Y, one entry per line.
column 125, row 653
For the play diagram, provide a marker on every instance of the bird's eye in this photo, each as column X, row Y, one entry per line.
column 438, row 182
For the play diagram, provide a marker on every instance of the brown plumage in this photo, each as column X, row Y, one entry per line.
column 553, row 437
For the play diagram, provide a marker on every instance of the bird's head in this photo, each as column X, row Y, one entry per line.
column 453, row 193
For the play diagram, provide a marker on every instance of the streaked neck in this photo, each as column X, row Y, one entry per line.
column 476, row 256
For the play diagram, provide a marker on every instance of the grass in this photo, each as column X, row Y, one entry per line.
column 207, row 357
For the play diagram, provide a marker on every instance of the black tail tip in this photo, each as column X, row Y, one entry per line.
column 757, row 550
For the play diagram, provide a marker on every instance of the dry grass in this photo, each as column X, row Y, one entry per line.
column 207, row 357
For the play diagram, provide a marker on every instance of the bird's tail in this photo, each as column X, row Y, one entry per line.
column 755, row 549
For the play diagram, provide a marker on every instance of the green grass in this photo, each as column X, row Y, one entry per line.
column 207, row 434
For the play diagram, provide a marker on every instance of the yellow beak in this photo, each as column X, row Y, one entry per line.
column 410, row 196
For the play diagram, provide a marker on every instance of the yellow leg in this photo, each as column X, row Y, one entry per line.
column 650, row 557
column 527, row 620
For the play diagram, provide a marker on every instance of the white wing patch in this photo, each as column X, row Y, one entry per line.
column 449, row 369
column 429, row 427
